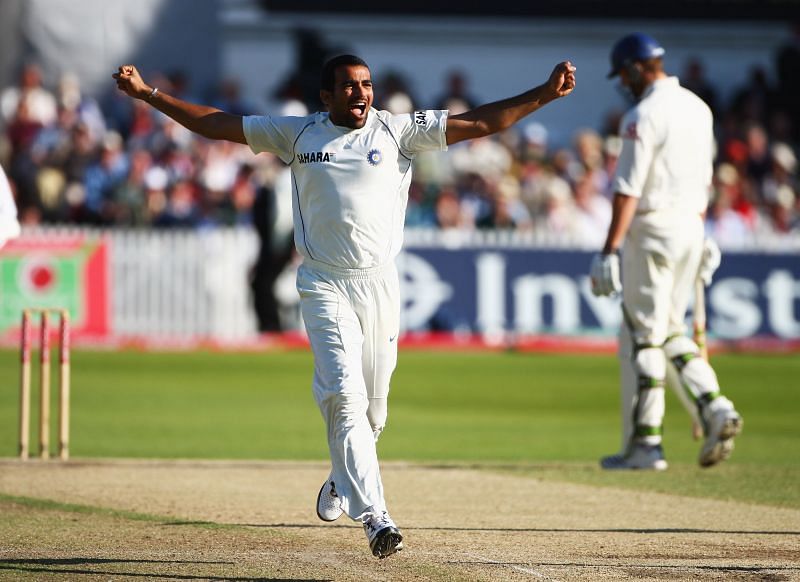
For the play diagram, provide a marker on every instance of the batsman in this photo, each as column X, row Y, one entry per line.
column 662, row 185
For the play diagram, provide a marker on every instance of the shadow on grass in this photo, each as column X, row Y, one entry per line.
column 665, row 530
column 650, row 568
column 61, row 566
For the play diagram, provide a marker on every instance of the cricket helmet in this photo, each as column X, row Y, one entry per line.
column 632, row 48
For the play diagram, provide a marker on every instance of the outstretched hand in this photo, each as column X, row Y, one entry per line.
column 562, row 80
column 129, row 81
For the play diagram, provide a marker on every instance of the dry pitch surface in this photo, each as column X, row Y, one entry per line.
column 256, row 521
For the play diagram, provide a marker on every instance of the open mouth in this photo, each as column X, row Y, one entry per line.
column 358, row 108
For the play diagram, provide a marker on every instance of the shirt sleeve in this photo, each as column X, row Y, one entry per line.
column 277, row 135
column 9, row 225
column 421, row 131
column 638, row 146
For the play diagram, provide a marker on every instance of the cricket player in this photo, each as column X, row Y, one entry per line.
column 662, row 185
column 351, row 169
column 9, row 223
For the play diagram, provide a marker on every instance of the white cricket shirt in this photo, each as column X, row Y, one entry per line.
column 667, row 150
column 349, row 186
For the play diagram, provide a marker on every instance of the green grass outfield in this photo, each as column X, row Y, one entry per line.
column 551, row 416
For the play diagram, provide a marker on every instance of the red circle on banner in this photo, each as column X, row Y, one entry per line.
column 42, row 277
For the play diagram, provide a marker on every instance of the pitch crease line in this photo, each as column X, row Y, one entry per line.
column 514, row 567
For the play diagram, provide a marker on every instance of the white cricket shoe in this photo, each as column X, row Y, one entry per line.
column 647, row 457
column 384, row 537
column 723, row 424
column 329, row 507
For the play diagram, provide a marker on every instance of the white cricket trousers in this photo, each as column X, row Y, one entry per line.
column 352, row 317
column 660, row 260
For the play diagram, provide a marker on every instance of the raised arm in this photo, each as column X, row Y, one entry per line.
column 206, row 121
column 493, row 117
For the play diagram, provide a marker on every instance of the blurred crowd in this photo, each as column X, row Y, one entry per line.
column 72, row 159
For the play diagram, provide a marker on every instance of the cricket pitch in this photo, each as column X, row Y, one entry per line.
column 249, row 521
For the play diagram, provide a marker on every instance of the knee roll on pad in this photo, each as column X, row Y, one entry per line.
column 680, row 350
column 651, row 367
column 697, row 376
column 651, row 370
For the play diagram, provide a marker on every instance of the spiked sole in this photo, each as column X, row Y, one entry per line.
column 723, row 447
column 331, row 515
column 387, row 541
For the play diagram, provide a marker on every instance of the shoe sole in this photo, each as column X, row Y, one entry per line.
column 319, row 515
column 387, row 542
column 658, row 466
column 616, row 463
column 722, row 449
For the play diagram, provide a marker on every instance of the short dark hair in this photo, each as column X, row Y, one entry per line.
column 328, row 77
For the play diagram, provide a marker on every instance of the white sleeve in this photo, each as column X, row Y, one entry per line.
column 421, row 131
column 276, row 135
column 638, row 147
column 9, row 225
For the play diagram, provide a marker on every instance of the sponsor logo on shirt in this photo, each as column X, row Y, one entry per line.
column 420, row 118
column 630, row 132
column 315, row 157
column 374, row 157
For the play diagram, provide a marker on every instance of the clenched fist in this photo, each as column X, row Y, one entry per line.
column 562, row 80
column 129, row 81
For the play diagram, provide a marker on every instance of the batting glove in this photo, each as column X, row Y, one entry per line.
column 605, row 274
column 710, row 261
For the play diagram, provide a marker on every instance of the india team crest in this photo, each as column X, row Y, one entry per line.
column 374, row 157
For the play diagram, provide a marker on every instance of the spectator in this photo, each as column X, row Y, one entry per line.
column 271, row 217
column 84, row 152
column 592, row 213
column 126, row 206
column 86, row 109
column 758, row 156
column 181, row 208
column 22, row 132
column 508, row 211
column 694, row 79
column 753, row 102
column 729, row 227
column 456, row 98
column 60, row 168
column 590, row 155
column 779, row 188
column 229, row 98
column 787, row 64
column 103, row 176
column 449, row 214
column 394, row 93
column 559, row 212
column 40, row 103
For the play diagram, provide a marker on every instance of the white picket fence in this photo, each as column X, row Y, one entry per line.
column 184, row 284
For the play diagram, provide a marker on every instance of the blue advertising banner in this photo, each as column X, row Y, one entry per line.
column 526, row 291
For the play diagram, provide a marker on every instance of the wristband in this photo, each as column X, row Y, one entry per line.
column 152, row 94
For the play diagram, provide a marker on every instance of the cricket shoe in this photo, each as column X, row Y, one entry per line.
column 384, row 537
column 329, row 506
column 647, row 457
column 723, row 425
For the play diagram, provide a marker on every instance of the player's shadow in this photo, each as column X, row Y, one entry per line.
column 648, row 568
column 62, row 566
column 664, row 530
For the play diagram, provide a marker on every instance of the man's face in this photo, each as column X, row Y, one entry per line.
column 631, row 81
column 349, row 102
